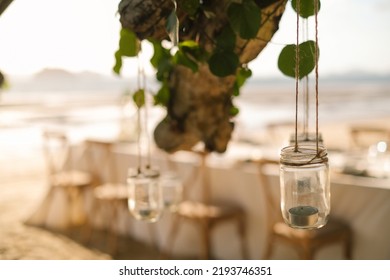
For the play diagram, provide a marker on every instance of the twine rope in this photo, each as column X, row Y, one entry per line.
column 146, row 120
column 306, row 99
column 319, row 153
column 316, row 67
column 141, row 85
column 297, row 77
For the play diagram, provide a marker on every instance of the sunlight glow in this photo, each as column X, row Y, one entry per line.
column 74, row 35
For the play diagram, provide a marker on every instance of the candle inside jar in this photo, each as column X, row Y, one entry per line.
column 303, row 216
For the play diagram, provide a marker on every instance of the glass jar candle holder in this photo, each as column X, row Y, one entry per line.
column 172, row 189
column 378, row 160
column 305, row 186
column 309, row 138
column 145, row 195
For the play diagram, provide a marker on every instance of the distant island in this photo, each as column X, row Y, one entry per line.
column 56, row 79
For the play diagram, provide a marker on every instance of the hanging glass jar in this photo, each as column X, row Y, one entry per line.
column 306, row 138
column 172, row 189
column 305, row 186
column 145, row 196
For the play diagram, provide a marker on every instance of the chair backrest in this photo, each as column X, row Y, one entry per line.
column 57, row 150
column 266, row 168
column 279, row 130
column 362, row 137
column 100, row 161
column 199, row 172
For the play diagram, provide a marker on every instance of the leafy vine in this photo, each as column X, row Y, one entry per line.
column 244, row 21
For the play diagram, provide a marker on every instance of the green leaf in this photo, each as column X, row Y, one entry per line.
column 245, row 18
column 182, row 59
column 189, row 6
column 307, row 59
column 227, row 39
column 242, row 75
column 161, row 60
column 236, row 89
column 163, row 95
column 306, row 7
column 223, row 63
column 164, row 69
column 129, row 44
column 118, row 63
column 139, row 98
column 286, row 61
column 193, row 50
column 190, row 44
column 234, row 111
column 2, row 80
column 159, row 54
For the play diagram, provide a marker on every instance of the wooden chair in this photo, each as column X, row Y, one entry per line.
column 206, row 215
column 108, row 192
column 305, row 242
column 362, row 136
column 277, row 131
column 62, row 174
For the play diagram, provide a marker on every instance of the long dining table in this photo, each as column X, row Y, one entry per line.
column 364, row 202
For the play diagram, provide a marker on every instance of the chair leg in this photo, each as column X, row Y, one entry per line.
column 206, row 240
column 171, row 238
column 270, row 244
column 88, row 226
column 242, row 232
column 153, row 236
column 75, row 217
column 306, row 252
column 69, row 200
column 348, row 246
column 112, row 230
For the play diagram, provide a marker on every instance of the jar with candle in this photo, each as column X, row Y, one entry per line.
column 145, row 195
column 172, row 189
column 305, row 186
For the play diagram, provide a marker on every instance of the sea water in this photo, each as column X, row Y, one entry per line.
column 97, row 110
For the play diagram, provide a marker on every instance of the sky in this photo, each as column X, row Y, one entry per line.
column 82, row 35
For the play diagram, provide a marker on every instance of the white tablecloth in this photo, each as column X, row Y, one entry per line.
column 363, row 202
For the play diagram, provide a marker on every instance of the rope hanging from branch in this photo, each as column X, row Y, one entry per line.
column 297, row 75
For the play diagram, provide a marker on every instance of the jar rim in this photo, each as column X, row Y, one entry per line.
column 304, row 155
column 307, row 137
column 145, row 172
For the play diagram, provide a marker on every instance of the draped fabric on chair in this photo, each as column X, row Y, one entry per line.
column 109, row 195
column 363, row 136
column 63, row 206
column 205, row 214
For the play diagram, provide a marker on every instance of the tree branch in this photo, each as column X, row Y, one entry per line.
column 4, row 4
column 199, row 109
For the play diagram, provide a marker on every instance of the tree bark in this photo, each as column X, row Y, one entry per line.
column 200, row 103
column 4, row 4
column 1, row 79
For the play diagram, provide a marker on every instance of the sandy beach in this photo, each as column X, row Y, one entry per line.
column 23, row 186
